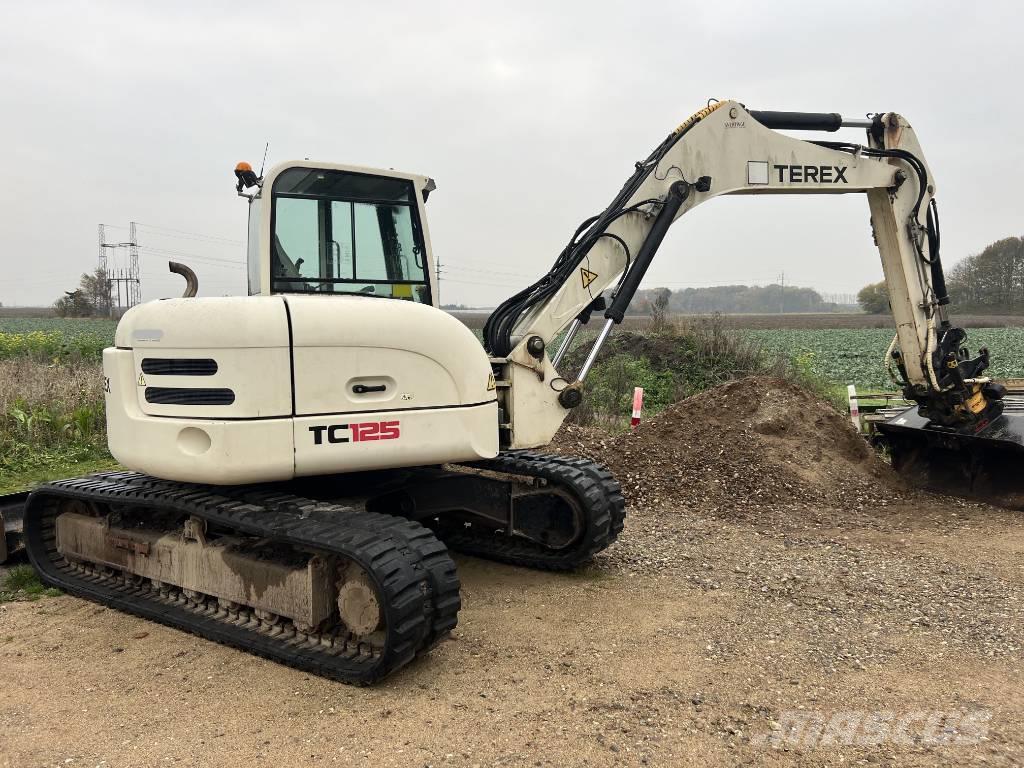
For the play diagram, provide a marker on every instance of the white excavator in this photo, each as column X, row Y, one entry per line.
column 300, row 460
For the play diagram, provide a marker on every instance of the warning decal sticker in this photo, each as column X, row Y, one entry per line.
column 588, row 276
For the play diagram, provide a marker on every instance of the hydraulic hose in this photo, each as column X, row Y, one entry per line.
column 502, row 323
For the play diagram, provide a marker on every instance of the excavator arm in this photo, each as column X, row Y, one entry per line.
column 726, row 149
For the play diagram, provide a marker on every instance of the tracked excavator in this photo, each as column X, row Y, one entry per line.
column 300, row 461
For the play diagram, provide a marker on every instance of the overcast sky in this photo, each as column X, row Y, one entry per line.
column 529, row 119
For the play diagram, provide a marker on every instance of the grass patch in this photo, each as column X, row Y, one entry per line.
column 52, row 421
column 22, row 583
column 54, row 466
column 799, row 368
column 673, row 361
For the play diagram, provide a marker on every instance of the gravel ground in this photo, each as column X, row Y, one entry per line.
column 690, row 640
column 729, row 611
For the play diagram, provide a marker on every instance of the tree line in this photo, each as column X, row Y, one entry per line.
column 988, row 282
column 733, row 299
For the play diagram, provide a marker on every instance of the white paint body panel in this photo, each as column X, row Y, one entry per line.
column 431, row 436
column 425, row 357
column 247, row 337
column 240, row 451
column 435, row 372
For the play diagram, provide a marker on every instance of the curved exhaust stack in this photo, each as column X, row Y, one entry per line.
column 191, row 281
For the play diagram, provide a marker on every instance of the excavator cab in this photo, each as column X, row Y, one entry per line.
column 310, row 374
column 332, row 229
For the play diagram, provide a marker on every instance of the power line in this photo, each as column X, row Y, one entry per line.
column 485, row 285
column 55, row 280
column 186, row 235
column 188, row 255
column 488, row 271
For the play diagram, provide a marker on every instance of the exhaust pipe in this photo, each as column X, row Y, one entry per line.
column 191, row 281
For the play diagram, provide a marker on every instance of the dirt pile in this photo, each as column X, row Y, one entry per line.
column 748, row 444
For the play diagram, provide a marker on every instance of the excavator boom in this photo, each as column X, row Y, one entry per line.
column 726, row 149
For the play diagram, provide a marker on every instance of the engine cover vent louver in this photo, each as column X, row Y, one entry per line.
column 166, row 366
column 189, row 396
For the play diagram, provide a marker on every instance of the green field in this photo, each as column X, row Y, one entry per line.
column 51, row 400
column 837, row 355
column 54, row 338
column 854, row 355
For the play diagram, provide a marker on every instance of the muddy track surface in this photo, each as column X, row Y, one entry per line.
column 770, row 572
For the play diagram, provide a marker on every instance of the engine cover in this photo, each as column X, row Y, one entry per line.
column 243, row 389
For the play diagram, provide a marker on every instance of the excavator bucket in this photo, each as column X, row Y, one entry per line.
column 984, row 464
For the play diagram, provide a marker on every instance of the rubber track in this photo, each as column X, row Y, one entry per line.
column 446, row 600
column 598, row 493
column 433, row 554
column 405, row 561
column 612, row 489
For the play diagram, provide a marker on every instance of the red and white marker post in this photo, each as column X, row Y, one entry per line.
column 638, row 404
column 851, row 395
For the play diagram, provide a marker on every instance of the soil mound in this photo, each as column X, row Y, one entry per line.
column 751, row 443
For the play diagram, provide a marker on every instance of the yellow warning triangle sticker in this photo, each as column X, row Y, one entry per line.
column 588, row 276
column 142, row 381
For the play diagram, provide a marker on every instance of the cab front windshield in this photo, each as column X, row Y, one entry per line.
column 342, row 232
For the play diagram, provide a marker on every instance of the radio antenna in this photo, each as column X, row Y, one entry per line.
column 264, row 163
